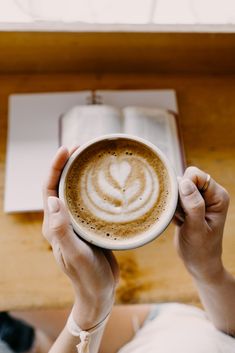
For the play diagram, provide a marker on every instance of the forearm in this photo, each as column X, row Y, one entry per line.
column 218, row 298
column 65, row 343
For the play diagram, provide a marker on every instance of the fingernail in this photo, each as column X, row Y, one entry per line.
column 187, row 187
column 53, row 204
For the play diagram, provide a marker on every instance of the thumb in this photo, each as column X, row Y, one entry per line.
column 192, row 203
column 59, row 226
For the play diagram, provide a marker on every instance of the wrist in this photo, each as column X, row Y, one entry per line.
column 211, row 272
column 86, row 336
column 87, row 315
column 76, row 330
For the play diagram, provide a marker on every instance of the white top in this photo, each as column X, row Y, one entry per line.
column 180, row 328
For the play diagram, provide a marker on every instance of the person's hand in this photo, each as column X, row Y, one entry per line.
column 92, row 271
column 200, row 223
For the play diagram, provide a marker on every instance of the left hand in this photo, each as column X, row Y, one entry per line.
column 93, row 271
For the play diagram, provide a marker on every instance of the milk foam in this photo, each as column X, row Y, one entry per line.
column 119, row 189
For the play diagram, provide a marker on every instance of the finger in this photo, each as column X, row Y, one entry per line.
column 192, row 204
column 59, row 227
column 58, row 163
column 58, row 220
column 197, row 176
column 51, row 183
column 215, row 195
column 68, row 249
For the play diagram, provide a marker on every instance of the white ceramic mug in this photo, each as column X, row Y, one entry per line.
column 141, row 239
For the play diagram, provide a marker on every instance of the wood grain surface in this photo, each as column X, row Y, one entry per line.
column 60, row 52
column 29, row 277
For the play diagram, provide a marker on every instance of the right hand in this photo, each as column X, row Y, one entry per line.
column 200, row 231
column 93, row 271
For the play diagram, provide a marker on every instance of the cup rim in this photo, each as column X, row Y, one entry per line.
column 142, row 238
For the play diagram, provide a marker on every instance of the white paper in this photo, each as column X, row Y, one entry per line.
column 32, row 142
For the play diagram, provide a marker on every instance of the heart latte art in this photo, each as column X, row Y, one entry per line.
column 117, row 189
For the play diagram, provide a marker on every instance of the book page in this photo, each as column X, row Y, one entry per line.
column 82, row 123
column 157, row 126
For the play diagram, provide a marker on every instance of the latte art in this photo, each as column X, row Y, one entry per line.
column 119, row 189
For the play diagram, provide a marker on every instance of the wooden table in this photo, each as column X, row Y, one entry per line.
column 29, row 277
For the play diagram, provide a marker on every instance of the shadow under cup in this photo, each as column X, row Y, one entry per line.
column 120, row 190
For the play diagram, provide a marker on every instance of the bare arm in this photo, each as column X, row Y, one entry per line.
column 199, row 243
column 65, row 343
column 218, row 298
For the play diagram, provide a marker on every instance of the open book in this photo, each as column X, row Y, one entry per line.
column 34, row 122
column 156, row 125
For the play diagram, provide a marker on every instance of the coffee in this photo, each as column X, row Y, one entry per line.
column 117, row 189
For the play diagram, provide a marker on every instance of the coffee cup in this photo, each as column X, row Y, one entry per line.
column 120, row 190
